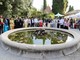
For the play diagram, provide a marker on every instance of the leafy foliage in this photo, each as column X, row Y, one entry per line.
column 35, row 13
column 59, row 6
column 10, row 8
column 29, row 37
column 44, row 5
column 71, row 8
column 50, row 15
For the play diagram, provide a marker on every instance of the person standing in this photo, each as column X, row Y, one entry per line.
column 29, row 22
column 52, row 23
column 36, row 22
column 79, row 25
column 32, row 22
column 7, row 21
column 21, row 22
column 11, row 23
column 1, row 18
column 17, row 23
column 66, row 24
column 58, row 25
column 71, row 23
column 26, row 22
column 1, row 27
column 44, row 24
column 40, row 23
column 61, row 22
column 6, row 27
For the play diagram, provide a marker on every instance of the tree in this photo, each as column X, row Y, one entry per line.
column 44, row 5
column 21, row 7
column 5, row 8
column 71, row 8
column 35, row 13
column 59, row 6
column 9, row 8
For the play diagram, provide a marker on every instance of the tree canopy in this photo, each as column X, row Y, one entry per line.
column 71, row 8
column 44, row 5
column 9, row 8
column 59, row 6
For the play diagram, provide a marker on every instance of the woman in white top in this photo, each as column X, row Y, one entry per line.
column 26, row 22
column 66, row 24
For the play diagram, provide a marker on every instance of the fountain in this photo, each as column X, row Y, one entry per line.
column 40, row 43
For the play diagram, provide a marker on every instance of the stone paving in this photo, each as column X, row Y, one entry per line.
column 5, row 55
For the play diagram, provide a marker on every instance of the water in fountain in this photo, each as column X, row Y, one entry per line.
column 40, row 37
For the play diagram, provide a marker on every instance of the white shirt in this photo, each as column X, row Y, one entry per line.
column 61, row 22
column 35, row 20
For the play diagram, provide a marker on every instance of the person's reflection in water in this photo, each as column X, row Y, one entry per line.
column 40, row 32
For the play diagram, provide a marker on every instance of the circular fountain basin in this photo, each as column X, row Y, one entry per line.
column 65, row 48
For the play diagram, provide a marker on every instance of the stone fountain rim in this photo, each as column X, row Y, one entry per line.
column 23, row 46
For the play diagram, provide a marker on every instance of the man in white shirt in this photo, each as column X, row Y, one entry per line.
column 61, row 22
column 36, row 22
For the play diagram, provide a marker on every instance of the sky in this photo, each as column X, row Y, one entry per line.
column 39, row 3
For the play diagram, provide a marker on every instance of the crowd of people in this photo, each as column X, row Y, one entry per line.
column 65, row 23
column 20, row 22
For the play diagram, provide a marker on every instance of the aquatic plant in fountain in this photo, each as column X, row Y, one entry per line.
column 29, row 37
